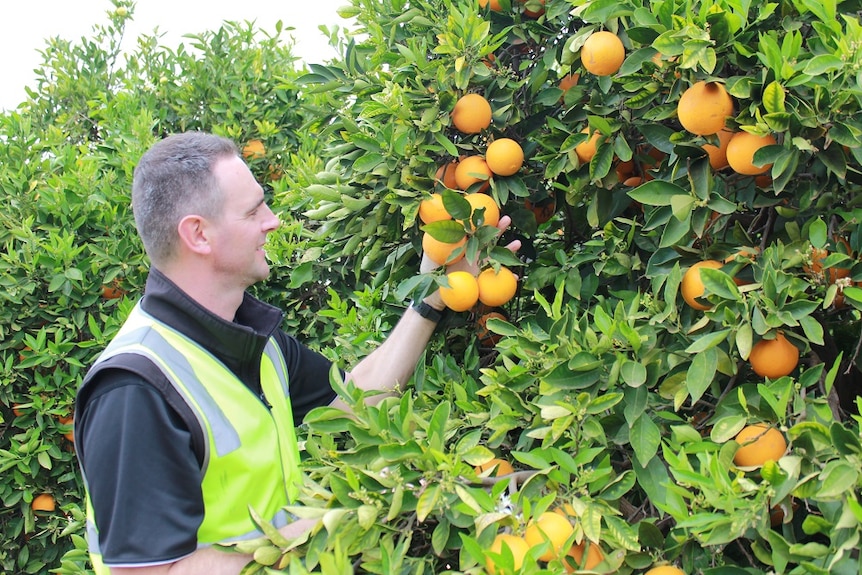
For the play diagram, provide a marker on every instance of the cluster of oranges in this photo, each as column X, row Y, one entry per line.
column 770, row 357
column 471, row 176
column 703, row 110
column 531, row 8
column 551, row 534
column 602, row 54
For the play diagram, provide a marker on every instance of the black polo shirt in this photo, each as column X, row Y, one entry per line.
column 139, row 443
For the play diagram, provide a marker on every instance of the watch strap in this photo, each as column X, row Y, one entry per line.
column 427, row 311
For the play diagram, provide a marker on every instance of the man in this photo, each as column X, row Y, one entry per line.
column 186, row 420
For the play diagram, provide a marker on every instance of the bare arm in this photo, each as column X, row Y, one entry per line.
column 390, row 366
column 211, row 561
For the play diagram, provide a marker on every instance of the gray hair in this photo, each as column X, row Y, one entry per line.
column 173, row 179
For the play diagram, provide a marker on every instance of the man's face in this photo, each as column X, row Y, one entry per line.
column 239, row 235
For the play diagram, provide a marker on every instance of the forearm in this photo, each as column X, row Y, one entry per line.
column 390, row 366
column 211, row 560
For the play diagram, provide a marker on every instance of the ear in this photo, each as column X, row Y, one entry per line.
column 193, row 232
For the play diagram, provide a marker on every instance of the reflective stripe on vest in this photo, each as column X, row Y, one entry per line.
column 251, row 455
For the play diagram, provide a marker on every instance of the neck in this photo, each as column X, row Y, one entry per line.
column 210, row 292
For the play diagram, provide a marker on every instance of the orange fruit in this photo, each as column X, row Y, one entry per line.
column 759, row 443
column 774, row 358
column 566, row 510
column 479, row 201
column 704, row 107
column 603, row 53
column 112, row 291
column 740, row 152
column 497, row 287
column 817, row 257
column 763, row 181
column 17, row 410
column 494, row 4
column 486, row 337
column 551, row 527
column 432, row 209
column 777, row 513
column 472, row 170
column 593, row 554
column 586, row 150
column 633, row 181
column 497, row 466
column 504, row 156
column 718, row 154
column 692, row 286
column 471, row 114
column 43, row 502
column 538, row 11
column 517, row 545
column 253, row 150
column 543, row 210
column 569, row 81
column 68, row 420
column 462, row 293
column 441, row 252
column 624, row 169
column 665, row 570
column 445, row 175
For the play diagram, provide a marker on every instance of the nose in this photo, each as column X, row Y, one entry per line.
column 272, row 222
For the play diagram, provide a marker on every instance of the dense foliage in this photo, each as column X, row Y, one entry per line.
column 71, row 263
column 610, row 395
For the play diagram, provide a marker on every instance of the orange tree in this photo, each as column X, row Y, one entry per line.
column 71, row 264
column 607, row 392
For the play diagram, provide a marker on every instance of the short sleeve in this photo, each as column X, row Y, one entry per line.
column 308, row 371
column 142, row 475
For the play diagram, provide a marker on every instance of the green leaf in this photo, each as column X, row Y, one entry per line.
column 744, row 339
column 835, row 478
column 428, row 501
column 719, row 283
column 813, row 329
column 821, row 64
column 645, row 437
column 447, row 231
column 603, row 402
column 674, row 231
column 633, row 373
column 456, row 205
column 367, row 162
column 727, row 428
column 656, row 193
column 681, row 206
column 818, row 233
column 395, row 452
column 773, row 98
column 707, row 341
column 440, row 536
column 44, row 459
column 846, row 442
column 700, row 373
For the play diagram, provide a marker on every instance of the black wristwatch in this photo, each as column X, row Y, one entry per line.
column 427, row 311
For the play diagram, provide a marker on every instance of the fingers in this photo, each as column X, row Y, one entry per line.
column 503, row 225
column 427, row 265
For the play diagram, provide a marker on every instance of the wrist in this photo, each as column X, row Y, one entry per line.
column 427, row 310
column 434, row 300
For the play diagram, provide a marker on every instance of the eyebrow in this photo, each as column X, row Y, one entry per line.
column 257, row 205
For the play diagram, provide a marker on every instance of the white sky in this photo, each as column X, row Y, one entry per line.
column 22, row 36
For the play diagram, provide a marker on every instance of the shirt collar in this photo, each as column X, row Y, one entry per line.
column 232, row 342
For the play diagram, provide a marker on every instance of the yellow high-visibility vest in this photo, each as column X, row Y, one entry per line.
column 251, row 452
